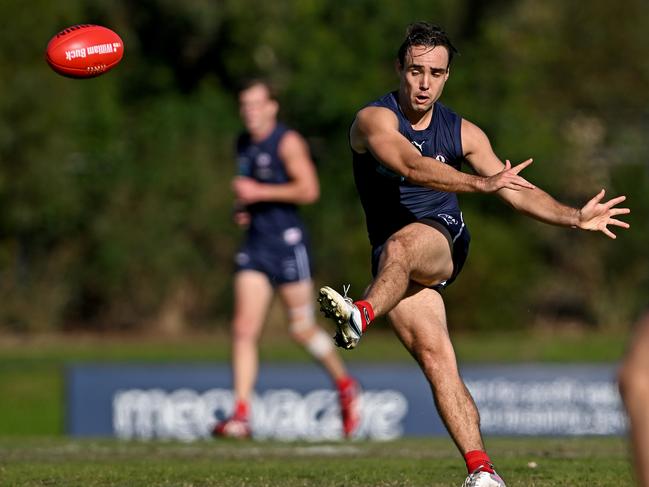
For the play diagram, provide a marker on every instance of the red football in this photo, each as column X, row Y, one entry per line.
column 84, row 51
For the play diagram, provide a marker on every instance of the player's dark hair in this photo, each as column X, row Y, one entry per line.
column 249, row 83
column 428, row 35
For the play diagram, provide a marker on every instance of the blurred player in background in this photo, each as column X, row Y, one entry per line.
column 276, row 174
column 634, row 387
column 407, row 151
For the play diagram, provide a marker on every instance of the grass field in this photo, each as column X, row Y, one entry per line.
column 34, row 452
column 32, row 462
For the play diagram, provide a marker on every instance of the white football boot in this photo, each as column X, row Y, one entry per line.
column 344, row 313
column 480, row 478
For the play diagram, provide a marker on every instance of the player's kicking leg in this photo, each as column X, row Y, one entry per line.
column 418, row 252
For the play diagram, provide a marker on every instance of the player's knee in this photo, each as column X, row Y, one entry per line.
column 303, row 329
column 395, row 252
column 242, row 331
column 435, row 360
column 301, row 320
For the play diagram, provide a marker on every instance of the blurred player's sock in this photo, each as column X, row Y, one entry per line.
column 241, row 410
column 349, row 396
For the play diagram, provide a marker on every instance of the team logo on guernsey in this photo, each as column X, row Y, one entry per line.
column 292, row 236
column 419, row 145
column 242, row 258
column 440, row 158
column 263, row 159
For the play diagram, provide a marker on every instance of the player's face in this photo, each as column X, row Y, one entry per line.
column 258, row 111
column 423, row 76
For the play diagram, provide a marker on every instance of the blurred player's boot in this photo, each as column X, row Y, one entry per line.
column 232, row 428
column 349, row 393
column 237, row 426
column 480, row 478
column 345, row 314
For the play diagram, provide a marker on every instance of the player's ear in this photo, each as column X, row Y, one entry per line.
column 447, row 74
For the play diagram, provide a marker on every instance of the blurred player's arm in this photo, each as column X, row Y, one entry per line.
column 303, row 186
column 240, row 215
column 377, row 129
column 534, row 201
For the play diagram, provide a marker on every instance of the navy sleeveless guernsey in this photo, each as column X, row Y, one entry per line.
column 261, row 161
column 390, row 202
column 276, row 242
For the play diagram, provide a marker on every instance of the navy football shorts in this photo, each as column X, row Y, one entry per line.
column 460, row 237
column 282, row 260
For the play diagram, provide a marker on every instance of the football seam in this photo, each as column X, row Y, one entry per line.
column 74, row 28
column 55, row 45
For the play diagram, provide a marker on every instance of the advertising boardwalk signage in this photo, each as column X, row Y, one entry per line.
column 184, row 402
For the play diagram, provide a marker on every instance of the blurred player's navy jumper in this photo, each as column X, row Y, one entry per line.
column 276, row 241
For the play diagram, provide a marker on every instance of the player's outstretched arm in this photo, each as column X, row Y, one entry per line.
column 376, row 129
column 595, row 215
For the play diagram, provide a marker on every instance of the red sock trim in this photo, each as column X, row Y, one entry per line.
column 241, row 410
column 478, row 459
column 367, row 313
column 344, row 382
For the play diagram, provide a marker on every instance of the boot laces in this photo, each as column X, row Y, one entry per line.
column 345, row 291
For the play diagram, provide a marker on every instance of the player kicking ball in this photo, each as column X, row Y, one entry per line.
column 407, row 151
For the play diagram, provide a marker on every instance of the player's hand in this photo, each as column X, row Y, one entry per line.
column 241, row 218
column 508, row 178
column 247, row 190
column 596, row 216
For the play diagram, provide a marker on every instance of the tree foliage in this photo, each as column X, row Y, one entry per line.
column 114, row 192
